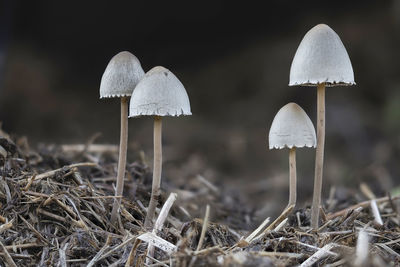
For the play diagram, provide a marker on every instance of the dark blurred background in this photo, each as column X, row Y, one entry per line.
column 234, row 60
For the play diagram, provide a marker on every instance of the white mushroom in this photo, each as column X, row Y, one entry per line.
column 158, row 94
column 120, row 78
column 291, row 128
column 320, row 60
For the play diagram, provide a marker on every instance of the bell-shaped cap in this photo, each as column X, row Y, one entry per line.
column 321, row 58
column 291, row 127
column 121, row 76
column 159, row 93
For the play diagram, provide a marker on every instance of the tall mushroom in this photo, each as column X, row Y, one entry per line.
column 158, row 94
column 121, row 76
column 321, row 60
column 291, row 128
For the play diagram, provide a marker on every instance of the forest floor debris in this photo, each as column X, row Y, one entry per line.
column 55, row 207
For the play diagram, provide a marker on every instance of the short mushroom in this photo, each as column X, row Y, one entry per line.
column 158, row 94
column 291, row 128
column 120, row 78
column 320, row 60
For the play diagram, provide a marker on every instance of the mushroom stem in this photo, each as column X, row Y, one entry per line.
column 155, row 190
column 319, row 156
column 293, row 177
column 123, row 143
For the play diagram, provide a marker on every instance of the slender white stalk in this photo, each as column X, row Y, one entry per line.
column 123, row 146
column 293, row 177
column 155, row 190
column 319, row 156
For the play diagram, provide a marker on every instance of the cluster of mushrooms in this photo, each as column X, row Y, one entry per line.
column 321, row 60
column 157, row 93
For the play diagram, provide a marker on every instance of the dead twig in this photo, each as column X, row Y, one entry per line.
column 162, row 217
column 258, row 230
column 6, row 226
column 100, row 253
column 63, row 256
column 68, row 167
column 7, row 256
column 92, row 148
column 363, row 204
column 202, row 234
column 362, row 249
column 376, row 213
column 319, row 255
column 281, row 217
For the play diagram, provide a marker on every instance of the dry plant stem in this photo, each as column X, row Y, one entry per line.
column 376, row 213
column 6, row 226
column 123, row 143
column 204, row 228
column 257, row 231
column 202, row 235
column 320, row 254
column 362, row 249
column 281, row 217
column 293, row 177
column 62, row 261
column 281, row 225
column 66, row 167
column 100, row 253
column 319, row 158
column 132, row 254
column 162, row 217
column 24, row 246
column 363, row 204
column 158, row 225
column 7, row 256
column 155, row 190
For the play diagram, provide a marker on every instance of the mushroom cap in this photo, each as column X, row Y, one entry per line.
column 291, row 127
column 159, row 93
column 321, row 58
column 121, row 76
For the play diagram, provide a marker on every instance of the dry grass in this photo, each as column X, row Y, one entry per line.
column 55, row 208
